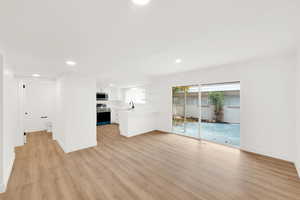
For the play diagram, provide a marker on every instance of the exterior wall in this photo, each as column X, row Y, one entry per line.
column 207, row 112
column 231, row 108
column 232, row 114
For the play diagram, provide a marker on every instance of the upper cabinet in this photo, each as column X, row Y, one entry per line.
column 114, row 93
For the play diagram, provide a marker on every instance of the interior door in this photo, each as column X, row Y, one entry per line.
column 38, row 105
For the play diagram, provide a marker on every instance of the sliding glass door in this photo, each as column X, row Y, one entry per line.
column 192, row 112
column 186, row 110
column 210, row 112
column 179, row 109
column 220, row 113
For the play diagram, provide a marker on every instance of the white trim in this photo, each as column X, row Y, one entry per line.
column 263, row 152
column 6, row 178
column 134, row 134
column 82, row 147
column 298, row 169
column 66, row 150
column 61, row 145
column 2, row 188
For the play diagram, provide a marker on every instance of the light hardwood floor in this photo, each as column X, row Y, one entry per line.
column 151, row 166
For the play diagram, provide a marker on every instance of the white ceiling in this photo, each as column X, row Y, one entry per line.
column 120, row 42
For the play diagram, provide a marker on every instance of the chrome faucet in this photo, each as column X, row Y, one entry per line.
column 131, row 104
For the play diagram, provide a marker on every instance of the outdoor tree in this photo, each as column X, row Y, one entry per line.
column 217, row 99
column 180, row 89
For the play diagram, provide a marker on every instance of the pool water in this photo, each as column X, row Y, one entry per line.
column 228, row 134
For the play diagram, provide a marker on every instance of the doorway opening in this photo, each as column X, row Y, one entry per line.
column 37, row 105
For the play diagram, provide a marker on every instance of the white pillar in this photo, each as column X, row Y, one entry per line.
column 75, row 124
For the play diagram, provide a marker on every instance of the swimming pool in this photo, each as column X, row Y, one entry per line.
column 228, row 134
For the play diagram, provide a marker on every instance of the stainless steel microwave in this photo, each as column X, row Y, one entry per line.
column 102, row 97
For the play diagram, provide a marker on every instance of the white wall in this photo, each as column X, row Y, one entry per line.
column 267, row 101
column 59, row 125
column 12, row 134
column 297, row 161
column 75, row 123
column 2, row 184
column 10, row 131
column 38, row 97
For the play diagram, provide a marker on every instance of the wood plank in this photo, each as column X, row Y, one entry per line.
column 152, row 166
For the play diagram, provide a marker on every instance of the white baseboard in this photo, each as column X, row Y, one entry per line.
column 132, row 135
column 7, row 176
column 78, row 148
column 137, row 133
column 263, row 152
column 61, row 145
column 2, row 188
column 67, row 150
column 298, row 169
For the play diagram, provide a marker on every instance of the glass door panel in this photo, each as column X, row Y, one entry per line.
column 192, row 111
column 178, row 115
column 220, row 113
column 186, row 110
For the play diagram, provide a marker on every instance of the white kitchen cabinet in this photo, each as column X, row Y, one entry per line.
column 133, row 122
column 114, row 94
column 114, row 115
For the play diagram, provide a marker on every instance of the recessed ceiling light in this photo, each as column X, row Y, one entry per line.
column 141, row 2
column 71, row 63
column 35, row 75
column 178, row 61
